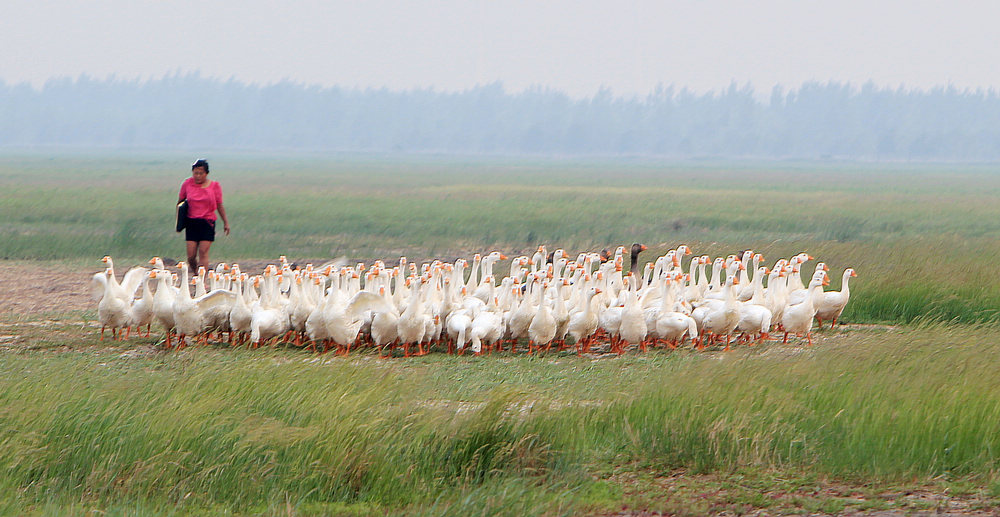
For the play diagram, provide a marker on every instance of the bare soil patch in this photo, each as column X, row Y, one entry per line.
column 29, row 288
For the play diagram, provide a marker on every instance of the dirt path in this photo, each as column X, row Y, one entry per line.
column 31, row 288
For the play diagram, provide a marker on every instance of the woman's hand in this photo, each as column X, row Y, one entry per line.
column 226, row 229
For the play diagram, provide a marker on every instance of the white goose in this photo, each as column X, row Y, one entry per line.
column 458, row 326
column 240, row 316
column 112, row 310
column 722, row 320
column 487, row 329
column 141, row 311
column 670, row 325
column 797, row 319
column 189, row 312
column 561, row 312
column 385, row 323
column 583, row 324
column 831, row 303
column 798, row 296
column 755, row 318
column 633, row 323
column 412, row 322
column 520, row 318
column 124, row 290
column 542, row 329
column 163, row 302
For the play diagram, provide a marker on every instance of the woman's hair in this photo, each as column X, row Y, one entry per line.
column 200, row 163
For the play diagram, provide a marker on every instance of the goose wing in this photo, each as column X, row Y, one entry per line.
column 215, row 298
column 366, row 301
column 133, row 279
column 98, row 283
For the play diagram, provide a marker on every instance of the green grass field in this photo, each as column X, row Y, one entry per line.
column 925, row 238
column 853, row 423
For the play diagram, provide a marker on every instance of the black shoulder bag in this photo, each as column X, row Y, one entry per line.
column 182, row 214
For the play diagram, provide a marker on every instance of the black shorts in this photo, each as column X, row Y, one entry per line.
column 199, row 230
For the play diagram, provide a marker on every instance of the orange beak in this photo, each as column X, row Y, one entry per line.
column 503, row 257
column 853, row 273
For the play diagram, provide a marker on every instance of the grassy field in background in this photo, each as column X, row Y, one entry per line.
column 925, row 239
column 860, row 422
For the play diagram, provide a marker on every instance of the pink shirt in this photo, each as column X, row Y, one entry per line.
column 202, row 201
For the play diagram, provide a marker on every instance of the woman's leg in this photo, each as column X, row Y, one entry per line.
column 203, row 253
column 192, row 251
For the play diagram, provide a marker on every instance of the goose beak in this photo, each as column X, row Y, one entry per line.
column 853, row 273
column 503, row 257
column 643, row 247
column 826, row 282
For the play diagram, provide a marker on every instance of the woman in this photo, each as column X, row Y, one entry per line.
column 204, row 197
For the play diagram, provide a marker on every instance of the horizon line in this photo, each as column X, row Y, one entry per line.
column 604, row 90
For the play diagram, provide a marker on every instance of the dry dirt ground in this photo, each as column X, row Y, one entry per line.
column 32, row 289
column 46, row 294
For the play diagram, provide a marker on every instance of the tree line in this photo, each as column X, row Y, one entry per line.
column 814, row 120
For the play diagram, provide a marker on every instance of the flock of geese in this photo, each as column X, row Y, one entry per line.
column 545, row 300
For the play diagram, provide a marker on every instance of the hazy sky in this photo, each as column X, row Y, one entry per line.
column 575, row 46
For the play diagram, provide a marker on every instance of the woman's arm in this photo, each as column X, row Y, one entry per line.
column 225, row 220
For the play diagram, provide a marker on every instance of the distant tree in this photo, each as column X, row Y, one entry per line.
column 186, row 110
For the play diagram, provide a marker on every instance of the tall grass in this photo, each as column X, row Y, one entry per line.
column 241, row 431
